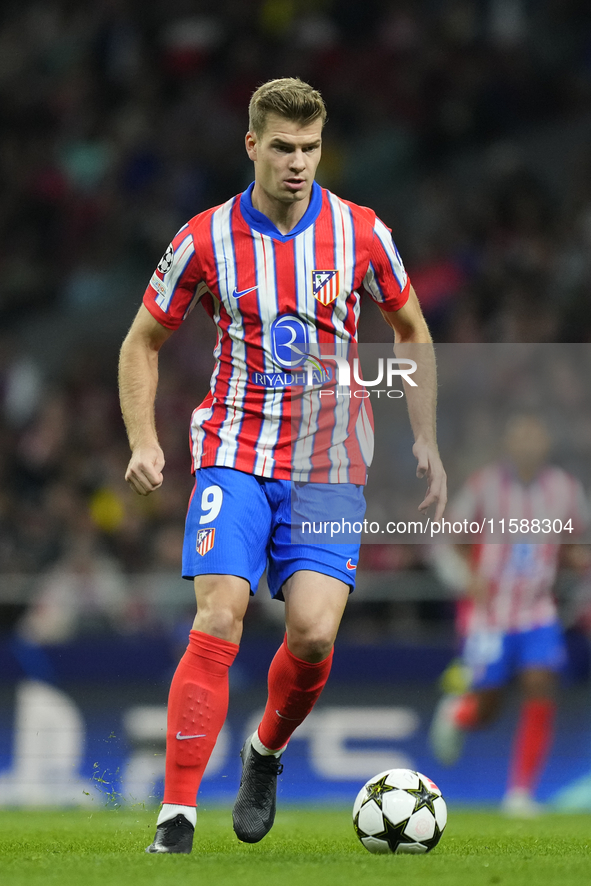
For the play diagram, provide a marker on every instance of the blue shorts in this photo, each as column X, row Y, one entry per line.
column 494, row 657
column 240, row 524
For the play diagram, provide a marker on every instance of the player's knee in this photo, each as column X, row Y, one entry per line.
column 538, row 684
column 312, row 645
column 542, row 691
column 220, row 621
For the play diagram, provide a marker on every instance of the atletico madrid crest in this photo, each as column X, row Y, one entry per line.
column 325, row 286
column 205, row 540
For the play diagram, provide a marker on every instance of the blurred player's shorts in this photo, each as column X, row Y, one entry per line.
column 494, row 657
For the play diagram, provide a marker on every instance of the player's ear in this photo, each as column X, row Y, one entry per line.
column 251, row 145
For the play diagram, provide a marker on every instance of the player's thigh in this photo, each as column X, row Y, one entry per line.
column 222, row 601
column 227, row 527
column 314, row 606
column 488, row 704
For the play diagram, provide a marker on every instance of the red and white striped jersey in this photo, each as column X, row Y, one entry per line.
column 519, row 577
column 266, row 291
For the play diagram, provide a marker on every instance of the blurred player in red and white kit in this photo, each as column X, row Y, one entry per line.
column 508, row 618
column 283, row 264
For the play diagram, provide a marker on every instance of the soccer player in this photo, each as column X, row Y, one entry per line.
column 509, row 618
column 284, row 261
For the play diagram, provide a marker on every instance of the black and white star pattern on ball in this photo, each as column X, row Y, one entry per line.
column 165, row 263
column 377, row 789
column 424, row 797
column 394, row 834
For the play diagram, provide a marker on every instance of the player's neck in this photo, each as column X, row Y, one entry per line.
column 285, row 216
column 527, row 473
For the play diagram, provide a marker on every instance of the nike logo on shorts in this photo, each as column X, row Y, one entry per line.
column 350, row 566
column 184, row 737
column 238, row 294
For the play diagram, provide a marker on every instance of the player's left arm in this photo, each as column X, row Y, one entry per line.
column 413, row 341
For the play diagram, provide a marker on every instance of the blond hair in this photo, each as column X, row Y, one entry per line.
column 288, row 97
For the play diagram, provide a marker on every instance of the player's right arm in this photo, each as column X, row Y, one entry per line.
column 388, row 284
column 413, row 341
column 138, row 380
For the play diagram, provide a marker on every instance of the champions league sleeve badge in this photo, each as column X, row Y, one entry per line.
column 165, row 263
column 205, row 540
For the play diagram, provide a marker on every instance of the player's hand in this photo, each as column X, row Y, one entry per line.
column 144, row 472
column 429, row 465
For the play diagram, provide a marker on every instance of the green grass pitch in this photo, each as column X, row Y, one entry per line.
column 306, row 847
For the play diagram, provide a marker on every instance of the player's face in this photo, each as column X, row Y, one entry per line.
column 285, row 158
column 527, row 442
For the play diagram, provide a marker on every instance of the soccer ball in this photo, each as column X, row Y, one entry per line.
column 399, row 811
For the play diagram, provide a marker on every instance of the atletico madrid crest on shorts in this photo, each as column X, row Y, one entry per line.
column 205, row 540
column 325, row 286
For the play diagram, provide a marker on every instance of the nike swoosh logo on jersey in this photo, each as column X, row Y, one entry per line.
column 238, row 294
column 184, row 737
column 350, row 565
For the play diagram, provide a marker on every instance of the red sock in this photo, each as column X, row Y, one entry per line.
column 532, row 742
column 294, row 687
column 466, row 714
column 197, row 706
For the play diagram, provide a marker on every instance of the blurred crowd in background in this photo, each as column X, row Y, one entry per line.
column 466, row 124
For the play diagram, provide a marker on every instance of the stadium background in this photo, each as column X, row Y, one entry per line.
column 467, row 126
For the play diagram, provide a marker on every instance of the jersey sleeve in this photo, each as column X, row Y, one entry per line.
column 176, row 284
column 386, row 279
